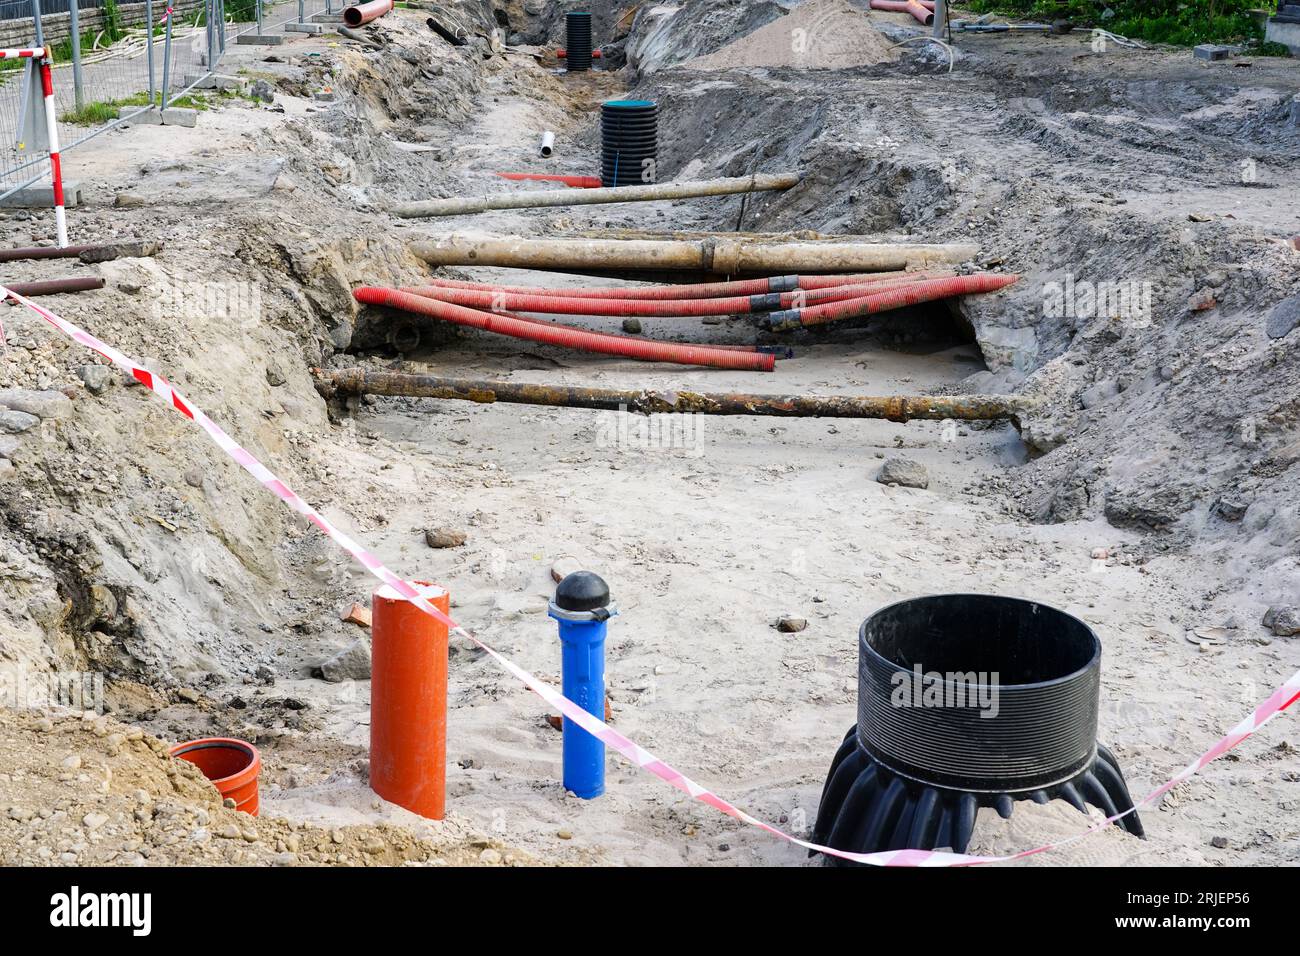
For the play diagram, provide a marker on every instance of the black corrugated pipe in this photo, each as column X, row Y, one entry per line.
column 968, row 701
column 629, row 142
column 577, row 42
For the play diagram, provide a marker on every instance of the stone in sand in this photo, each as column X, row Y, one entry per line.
column 904, row 472
column 444, row 538
column 351, row 663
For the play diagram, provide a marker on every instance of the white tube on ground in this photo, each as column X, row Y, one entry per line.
column 548, row 143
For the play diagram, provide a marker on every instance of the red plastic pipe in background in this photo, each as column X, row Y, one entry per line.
column 498, row 302
column 355, row 16
column 625, row 337
column 566, row 337
column 562, row 54
column 917, row 8
column 576, row 182
column 705, row 290
column 898, row 298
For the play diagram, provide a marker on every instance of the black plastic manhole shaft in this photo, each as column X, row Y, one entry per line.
column 629, row 142
column 967, row 701
column 577, row 42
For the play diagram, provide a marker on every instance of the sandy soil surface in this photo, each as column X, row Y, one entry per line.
column 133, row 548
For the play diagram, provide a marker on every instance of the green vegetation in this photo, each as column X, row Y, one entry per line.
column 1179, row 22
column 97, row 114
column 242, row 11
column 114, row 29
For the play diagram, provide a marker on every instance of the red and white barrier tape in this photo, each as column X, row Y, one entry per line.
column 1278, row 701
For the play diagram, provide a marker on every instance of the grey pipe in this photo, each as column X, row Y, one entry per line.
column 459, row 206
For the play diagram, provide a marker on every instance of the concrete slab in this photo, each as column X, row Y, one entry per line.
column 305, row 27
column 179, row 116
column 172, row 116
column 1211, row 51
column 213, row 81
column 332, row 18
column 146, row 118
column 42, row 197
column 1286, row 31
column 259, row 39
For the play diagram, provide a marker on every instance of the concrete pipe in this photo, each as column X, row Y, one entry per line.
column 721, row 255
column 460, row 206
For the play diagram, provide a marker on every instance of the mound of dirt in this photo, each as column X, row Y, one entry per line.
column 816, row 35
column 91, row 792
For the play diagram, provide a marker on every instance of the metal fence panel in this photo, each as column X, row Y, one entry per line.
column 21, row 162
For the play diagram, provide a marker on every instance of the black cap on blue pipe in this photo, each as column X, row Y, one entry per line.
column 582, row 591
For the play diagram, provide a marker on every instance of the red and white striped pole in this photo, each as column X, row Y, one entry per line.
column 52, row 131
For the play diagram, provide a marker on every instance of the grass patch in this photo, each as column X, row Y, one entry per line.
column 1176, row 22
column 97, row 114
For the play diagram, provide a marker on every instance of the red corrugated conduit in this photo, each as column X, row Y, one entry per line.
column 899, row 297
column 705, row 290
column 566, row 336
column 670, row 308
column 779, row 351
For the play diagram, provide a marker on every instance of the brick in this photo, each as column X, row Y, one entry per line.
column 357, row 614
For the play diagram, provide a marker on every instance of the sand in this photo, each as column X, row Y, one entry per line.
column 816, row 35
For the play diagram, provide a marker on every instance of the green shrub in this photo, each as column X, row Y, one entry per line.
column 1180, row 22
column 114, row 30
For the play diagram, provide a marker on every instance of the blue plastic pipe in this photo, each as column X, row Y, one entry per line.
column 583, row 661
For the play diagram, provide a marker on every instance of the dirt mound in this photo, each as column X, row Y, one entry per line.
column 667, row 34
column 816, row 35
column 93, row 792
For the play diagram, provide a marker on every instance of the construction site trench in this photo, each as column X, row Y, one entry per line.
column 1150, row 487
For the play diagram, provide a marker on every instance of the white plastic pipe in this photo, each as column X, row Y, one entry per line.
column 548, row 143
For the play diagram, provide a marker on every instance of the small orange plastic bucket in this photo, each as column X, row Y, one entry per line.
column 232, row 766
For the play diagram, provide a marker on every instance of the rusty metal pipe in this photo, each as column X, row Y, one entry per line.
column 894, row 408
column 42, row 252
column 100, row 252
column 56, row 286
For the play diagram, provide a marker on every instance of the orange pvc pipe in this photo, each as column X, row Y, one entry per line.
column 919, row 10
column 575, row 182
column 408, row 701
column 360, row 13
column 232, row 766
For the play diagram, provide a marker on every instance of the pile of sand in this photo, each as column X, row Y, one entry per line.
column 816, row 35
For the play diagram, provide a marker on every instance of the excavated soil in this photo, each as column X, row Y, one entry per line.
column 1154, row 493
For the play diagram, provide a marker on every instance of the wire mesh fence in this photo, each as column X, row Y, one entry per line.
column 193, row 45
column 262, row 17
column 114, row 60
column 22, row 159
